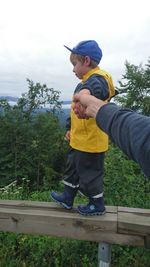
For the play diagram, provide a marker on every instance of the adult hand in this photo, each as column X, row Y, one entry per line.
column 86, row 106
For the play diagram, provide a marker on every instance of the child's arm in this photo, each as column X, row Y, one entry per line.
column 96, row 85
column 67, row 136
column 68, row 127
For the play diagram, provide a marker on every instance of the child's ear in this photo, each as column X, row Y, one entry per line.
column 87, row 60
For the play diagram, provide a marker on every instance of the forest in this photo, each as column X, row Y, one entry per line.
column 33, row 153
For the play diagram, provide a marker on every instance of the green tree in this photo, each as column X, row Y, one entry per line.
column 31, row 142
column 39, row 97
column 134, row 92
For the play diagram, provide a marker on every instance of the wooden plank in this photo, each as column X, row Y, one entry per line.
column 134, row 221
column 64, row 224
column 134, row 210
column 107, row 222
column 120, row 225
column 25, row 204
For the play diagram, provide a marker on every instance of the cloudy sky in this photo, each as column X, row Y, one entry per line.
column 33, row 32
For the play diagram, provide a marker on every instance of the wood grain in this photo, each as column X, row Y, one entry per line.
column 120, row 225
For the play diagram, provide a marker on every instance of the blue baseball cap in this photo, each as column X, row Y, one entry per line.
column 87, row 48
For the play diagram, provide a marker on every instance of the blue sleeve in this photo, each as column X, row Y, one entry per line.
column 97, row 86
column 129, row 130
column 68, row 124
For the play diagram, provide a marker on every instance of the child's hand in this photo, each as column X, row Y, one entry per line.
column 67, row 136
column 79, row 110
column 87, row 106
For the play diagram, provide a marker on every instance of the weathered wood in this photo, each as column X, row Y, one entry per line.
column 119, row 225
column 27, row 204
column 134, row 221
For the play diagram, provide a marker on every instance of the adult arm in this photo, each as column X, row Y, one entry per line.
column 129, row 130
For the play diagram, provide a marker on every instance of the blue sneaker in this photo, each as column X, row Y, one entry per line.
column 65, row 199
column 94, row 207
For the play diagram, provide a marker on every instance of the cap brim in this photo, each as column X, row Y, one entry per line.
column 68, row 48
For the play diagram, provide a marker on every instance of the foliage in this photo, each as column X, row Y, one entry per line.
column 39, row 97
column 124, row 182
column 37, row 251
column 17, row 250
column 134, row 93
column 31, row 143
column 14, row 191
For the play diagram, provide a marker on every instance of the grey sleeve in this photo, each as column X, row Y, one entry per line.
column 129, row 130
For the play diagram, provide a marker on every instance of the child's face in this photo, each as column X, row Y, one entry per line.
column 79, row 68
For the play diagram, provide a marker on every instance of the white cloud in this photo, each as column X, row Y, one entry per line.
column 33, row 33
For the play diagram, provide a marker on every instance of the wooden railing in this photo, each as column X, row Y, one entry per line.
column 120, row 225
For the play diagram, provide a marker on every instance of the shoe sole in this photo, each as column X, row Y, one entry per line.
column 64, row 205
column 91, row 214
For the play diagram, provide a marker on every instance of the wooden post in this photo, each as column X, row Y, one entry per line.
column 104, row 255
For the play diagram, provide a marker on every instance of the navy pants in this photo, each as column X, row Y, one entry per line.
column 85, row 171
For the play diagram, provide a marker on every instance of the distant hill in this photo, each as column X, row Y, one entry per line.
column 68, row 102
column 62, row 116
column 10, row 98
column 15, row 99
